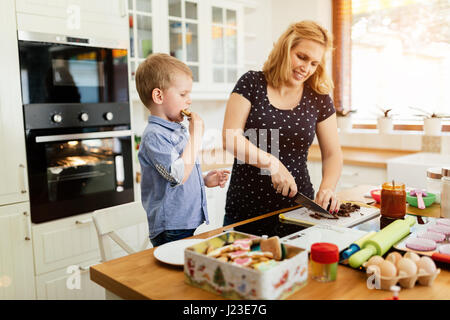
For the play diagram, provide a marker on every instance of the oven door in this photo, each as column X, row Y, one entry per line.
column 72, row 173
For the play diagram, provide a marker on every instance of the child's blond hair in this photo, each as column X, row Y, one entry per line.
column 157, row 72
column 277, row 68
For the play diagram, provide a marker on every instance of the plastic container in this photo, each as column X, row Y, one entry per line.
column 427, row 201
column 445, row 193
column 324, row 261
column 393, row 200
column 434, row 184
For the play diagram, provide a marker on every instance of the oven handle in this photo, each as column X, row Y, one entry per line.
column 80, row 136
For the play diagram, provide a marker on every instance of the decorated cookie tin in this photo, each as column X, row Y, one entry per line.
column 249, row 273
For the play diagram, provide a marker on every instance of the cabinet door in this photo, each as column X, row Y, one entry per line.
column 226, row 46
column 13, row 176
column 71, row 283
column 64, row 242
column 183, row 27
column 16, row 253
column 141, row 32
column 106, row 19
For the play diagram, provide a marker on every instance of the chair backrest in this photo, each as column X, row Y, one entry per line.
column 109, row 220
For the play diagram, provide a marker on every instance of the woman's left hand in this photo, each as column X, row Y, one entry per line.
column 327, row 196
column 216, row 178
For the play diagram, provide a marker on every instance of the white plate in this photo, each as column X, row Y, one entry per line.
column 173, row 252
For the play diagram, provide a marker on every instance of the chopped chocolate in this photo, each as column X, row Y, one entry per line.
column 344, row 211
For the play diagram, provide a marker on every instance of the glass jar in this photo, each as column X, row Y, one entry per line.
column 324, row 261
column 445, row 193
column 393, row 200
column 434, row 176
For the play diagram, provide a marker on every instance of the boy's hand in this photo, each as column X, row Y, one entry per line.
column 216, row 178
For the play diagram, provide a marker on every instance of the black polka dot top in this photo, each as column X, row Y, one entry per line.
column 286, row 133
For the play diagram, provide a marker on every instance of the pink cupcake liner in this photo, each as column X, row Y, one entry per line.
column 421, row 244
column 435, row 236
column 444, row 221
column 440, row 228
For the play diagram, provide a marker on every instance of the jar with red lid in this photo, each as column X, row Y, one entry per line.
column 393, row 200
column 324, row 261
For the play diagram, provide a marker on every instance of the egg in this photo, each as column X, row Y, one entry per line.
column 426, row 265
column 406, row 267
column 412, row 255
column 394, row 257
column 388, row 269
column 375, row 260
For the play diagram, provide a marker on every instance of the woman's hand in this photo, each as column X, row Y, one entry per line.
column 216, row 178
column 282, row 179
column 327, row 196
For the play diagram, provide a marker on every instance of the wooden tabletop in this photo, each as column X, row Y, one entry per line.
column 141, row 276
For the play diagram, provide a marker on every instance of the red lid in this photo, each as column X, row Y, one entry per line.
column 323, row 252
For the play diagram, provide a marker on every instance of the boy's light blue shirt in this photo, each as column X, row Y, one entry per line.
column 169, row 204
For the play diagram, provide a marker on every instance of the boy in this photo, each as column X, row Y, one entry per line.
column 172, row 185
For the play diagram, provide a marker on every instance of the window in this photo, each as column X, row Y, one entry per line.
column 392, row 54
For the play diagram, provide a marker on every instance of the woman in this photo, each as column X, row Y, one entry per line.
column 280, row 109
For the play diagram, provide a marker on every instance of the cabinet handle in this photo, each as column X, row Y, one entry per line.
column 27, row 227
column 22, row 172
column 350, row 174
column 85, row 221
column 86, row 268
column 123, row 8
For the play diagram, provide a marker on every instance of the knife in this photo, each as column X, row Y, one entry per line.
column 311, row 205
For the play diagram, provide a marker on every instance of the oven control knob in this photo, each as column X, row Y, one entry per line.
column 84, row 117
column 57, row 118
column 109, row 116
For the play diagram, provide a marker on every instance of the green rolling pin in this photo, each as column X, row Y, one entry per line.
column 380, row 243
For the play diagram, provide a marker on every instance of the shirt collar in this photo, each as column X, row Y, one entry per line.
column 168, row 124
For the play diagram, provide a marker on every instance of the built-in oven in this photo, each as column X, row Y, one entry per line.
column 77, row 124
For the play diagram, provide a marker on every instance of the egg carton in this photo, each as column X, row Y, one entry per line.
column 406, row 281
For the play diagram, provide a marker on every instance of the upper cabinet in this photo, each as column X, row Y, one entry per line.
column 207, row 35
column 141, row 30
column 106, row 19
column 183, row 26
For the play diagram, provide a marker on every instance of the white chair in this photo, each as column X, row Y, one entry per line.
column 109, row 220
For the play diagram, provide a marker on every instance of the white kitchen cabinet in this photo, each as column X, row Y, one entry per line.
column 351, row 175
column 106, row 19
column 13, row 172
column 16, row 253
column 73, row 241
column 64, row 242
column 65, row 248
column 70, row 283
column 207, row 35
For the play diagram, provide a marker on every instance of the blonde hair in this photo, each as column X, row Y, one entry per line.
column 157, row 72
column 277, row 68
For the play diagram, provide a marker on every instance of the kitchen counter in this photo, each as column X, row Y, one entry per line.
column 362, row 156
column 141, row 276
column 218, row 158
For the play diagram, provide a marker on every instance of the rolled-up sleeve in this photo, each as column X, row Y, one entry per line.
column 164, row 156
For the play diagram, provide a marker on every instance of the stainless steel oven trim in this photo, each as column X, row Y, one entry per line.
column 88, row 135
column 62, row 39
